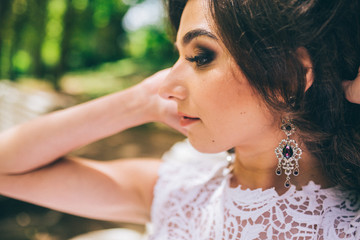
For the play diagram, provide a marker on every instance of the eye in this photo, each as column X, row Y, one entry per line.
column 202, row 58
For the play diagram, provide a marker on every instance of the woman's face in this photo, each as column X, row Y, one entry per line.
column 216, row 104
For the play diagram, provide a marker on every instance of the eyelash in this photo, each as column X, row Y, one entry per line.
column 203, row 57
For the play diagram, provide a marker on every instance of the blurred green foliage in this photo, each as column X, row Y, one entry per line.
column 46, row 39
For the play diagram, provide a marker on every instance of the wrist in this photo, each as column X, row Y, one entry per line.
column 148, row 102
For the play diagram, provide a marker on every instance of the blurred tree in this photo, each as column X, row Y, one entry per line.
column 47, row 38
column 151, row 43
column 96, row 33
column 37, row 14
column 6, row 33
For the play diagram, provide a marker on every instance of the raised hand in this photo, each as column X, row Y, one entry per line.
column 41, row 141
column 352, row 89
column 161, row 110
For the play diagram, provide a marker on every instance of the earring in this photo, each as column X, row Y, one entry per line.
column 288, row 153
column 230, row 159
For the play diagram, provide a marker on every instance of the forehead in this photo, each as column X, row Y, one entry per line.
column 194, row 16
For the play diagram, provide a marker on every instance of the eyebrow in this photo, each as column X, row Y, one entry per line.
column 189, row 36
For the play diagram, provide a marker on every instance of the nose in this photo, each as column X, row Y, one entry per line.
column 173, row 88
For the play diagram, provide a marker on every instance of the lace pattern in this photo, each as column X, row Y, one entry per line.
column 194, row 201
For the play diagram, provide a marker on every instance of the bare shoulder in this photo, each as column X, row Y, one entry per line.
column 138, row 174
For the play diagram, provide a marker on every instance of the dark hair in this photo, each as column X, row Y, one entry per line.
column 263, row 36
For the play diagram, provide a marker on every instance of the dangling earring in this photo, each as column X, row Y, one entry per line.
column 288, row 153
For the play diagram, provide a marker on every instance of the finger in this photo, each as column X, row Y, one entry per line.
column 352, row 89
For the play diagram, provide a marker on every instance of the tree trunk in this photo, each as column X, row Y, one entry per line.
column 5, row 37
column 38, row 16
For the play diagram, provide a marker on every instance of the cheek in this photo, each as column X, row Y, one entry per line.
column 233, row 106
column 229, row 95
column 222, row 105
column 220, row 88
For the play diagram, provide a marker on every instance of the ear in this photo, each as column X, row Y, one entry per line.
column 305, row 59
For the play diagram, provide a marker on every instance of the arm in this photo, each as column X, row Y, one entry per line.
column 117, row 190
column 112, row 191
column 41, row 141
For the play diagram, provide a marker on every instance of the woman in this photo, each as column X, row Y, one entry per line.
column 257, row 76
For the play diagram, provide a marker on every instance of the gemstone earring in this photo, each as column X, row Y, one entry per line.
column 288, row 153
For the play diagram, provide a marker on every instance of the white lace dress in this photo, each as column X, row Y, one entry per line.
column 194, row 201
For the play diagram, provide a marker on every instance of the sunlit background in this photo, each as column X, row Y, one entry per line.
column 53, row 40
column 57, row 53
column 46, row 39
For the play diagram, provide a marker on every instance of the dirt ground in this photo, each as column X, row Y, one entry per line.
column 24, row 221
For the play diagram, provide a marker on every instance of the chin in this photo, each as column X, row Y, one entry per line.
column 208, row 146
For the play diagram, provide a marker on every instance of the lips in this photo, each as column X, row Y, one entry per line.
column 186, row 120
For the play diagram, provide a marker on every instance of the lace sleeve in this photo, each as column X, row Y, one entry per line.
column 184, row 167
column 184, row 170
